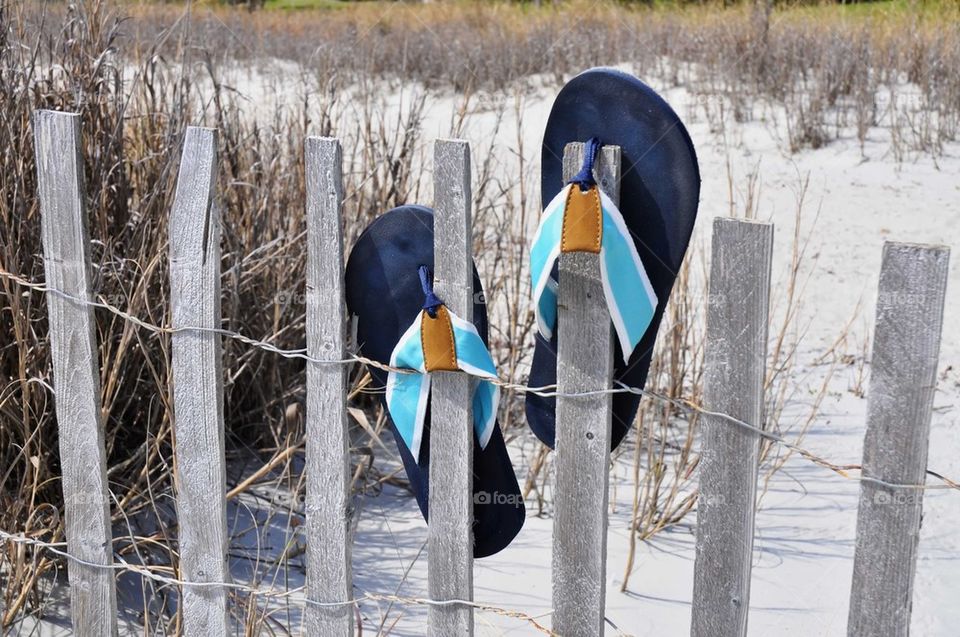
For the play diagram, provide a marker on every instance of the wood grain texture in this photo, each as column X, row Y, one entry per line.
column 734, row 368
column 328, row 445
column 198, row 385
column 584, row 363
column 76, row 377
column 450, row 548
column 903, row 377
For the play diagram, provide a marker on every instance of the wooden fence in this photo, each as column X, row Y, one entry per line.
column 906, row 349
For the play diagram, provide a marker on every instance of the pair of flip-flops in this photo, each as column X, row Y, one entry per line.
column 400, row 322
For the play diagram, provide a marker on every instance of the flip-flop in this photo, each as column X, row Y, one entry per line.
column 659, row 194
column 388, row 289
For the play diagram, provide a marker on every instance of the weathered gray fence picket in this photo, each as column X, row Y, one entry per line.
column 450, row 533
column 76, row 376
column 903, row 376
column 734, row 367
column 584, row 363
column 905, row 356
column 198, row 386
column 327, row 438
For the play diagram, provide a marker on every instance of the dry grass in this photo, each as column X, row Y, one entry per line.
column 139, row 82
column 837, row 72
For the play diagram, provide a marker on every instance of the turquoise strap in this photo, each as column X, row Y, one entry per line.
column 630, row 298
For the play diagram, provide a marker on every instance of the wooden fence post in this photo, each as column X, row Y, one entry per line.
column 734, row 368
column 198, row 385
column 450, row 548
column 903, row 376
column 584, row 363
column 76, row 375
column 328, row 444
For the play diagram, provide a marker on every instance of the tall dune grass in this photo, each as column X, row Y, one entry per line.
column 837, row 70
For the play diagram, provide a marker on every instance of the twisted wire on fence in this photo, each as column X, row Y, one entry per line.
column 144, row 571
column 683, row 404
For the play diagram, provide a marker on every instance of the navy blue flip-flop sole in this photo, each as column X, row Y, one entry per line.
column 383, row 291
column 659, row 194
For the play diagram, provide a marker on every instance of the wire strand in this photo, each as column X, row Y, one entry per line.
column 146, row 572
column 549, row 391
